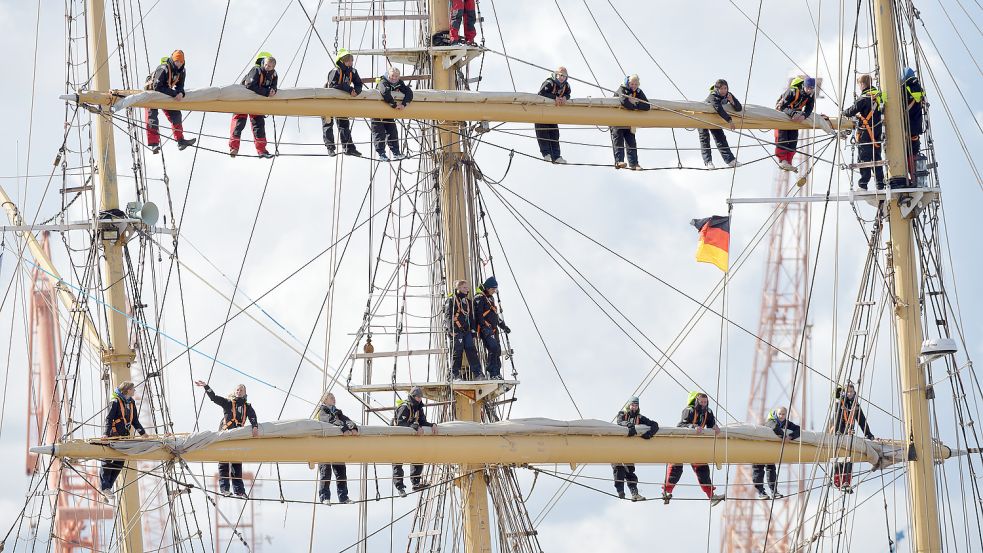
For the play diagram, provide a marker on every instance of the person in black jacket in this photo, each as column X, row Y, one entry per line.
column 867, row 113
column 120, row 419
column 345, row 78
column 786, row 430
column 846, row 414
column 461, row 328
column 410, row 414
column 329, row 413
column 698, row 415
column 261, row 79
column 557, row 88
column 236, row 411
column 914, row 96
column 623, row 138
column 168, row 79
column 488, row 323
column 629, row 417
column 720, row 95
column 797, row 103
column 385, row 131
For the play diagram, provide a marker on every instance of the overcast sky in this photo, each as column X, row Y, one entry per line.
column 642, row 216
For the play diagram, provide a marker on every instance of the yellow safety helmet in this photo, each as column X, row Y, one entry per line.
column 262, row 56
column 342, row 52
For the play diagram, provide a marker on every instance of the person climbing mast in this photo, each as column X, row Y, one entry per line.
column 797, row 103
column 168, row 79
column 557, row 88
column 846, row 414
column 261, row 79
column 629, row 417
column 698, row 415
column 488, row 323
column 720, row 95
column 915, row 101
column 343, row 77
column 867, row 112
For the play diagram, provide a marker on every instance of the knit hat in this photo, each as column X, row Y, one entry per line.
column 416, row 392
column 490, row 282
column 810, row 82
column 634, row 399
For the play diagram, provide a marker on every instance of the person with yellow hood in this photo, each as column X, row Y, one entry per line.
column 786, row 430
column 699, row 416
column 343, row 77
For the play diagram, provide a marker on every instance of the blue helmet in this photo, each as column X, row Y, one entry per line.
column 908, row 73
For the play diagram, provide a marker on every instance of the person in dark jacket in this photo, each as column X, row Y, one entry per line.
column 786, row 430
column 846, row 414
column 720, row 96
column 345, row 78
column 261, row 79
column 557, row 88
column 236, row 411
column 461, row 328
column 623, row 138
column 168, row 79
column 463, row 11
column 797, row 103
column 410, row 414
column 914, row 96
column 120, row 419
column 384, row 131
column 488, row 323
column 630, row 417
column 698, row 415
column 867, row 113
column 330, row 414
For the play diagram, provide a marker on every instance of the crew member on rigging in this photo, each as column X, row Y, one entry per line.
column 623, row 138
column 410, row 414
column 463, row 11
column 122, row 416
column 345, row 78
column 867, row 112
column 236, row 411
column 786, row 430
column 720, row 95
column 846, row 414
column 261, row 79
column 914, row 96
column 328, row 413
column 461, row 328
column 629, row 417
column 385, row 131
column 488, row 322
column 698, row 415
column 797, row 103
column 168, row 79
column 557, row 88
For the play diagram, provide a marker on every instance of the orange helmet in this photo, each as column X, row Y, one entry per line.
column 178, row 55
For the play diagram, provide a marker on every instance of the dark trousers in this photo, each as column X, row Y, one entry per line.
column 111, row 469
column 415, row 479
column 153, row 125
column 720, row 139
column 344, row 130
column 623, row 138
column 259, row 131
column 786, row 141
column 341, row 479
column 758, row 477
column 842, row 474
column 464, row 343
column 870, row 152
column 675, row 472
column 224, row 470
column 548, row 137
column 622, row 474
column 463, row 10
column 493, row 350
column 384, row 132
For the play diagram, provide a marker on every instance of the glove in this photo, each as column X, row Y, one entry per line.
column 648, row 435
column 350, row 425
column 631, row 430
column 506, row 328
column 869, row 436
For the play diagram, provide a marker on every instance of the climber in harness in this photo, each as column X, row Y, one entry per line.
column 236, row 411
column 698, row 415
column 121, row 418
column 797, row 103
column 384, row 131
column 629, row 417
column 488, row 322
column 345, row 78
column 623, row 138
column 846, row 414
column 168, row 79
column 720, row 95
column 463, row 11
column 410, row 414
column 261, row 79
column 786, row 430
column 867, row 113
column 461, row 328
column 557, row 88
column 914, row 96
column 328, row 413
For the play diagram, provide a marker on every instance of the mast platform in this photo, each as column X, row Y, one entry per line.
column 453, row 56
column 438, row 391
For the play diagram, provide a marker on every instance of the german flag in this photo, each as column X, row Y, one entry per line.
column 714, row 240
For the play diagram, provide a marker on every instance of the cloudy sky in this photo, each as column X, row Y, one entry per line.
column 642, row 216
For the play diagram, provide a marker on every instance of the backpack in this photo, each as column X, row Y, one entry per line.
column 148, row 83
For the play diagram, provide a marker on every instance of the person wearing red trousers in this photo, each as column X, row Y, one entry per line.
column 797, row 103
column 846, row 415
column 698, row 415
column 262, row 80
column 168, row 79
column 466, row 10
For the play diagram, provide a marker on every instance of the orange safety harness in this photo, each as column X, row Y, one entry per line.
column 236, row 422
column 559, row 91
column 458, row 310
column 343, row 78
column 128, row 420
column 865, row 121
column 795, row 104
column 847, row 414
column 695, row 413
column 492, row 308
